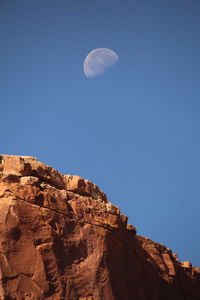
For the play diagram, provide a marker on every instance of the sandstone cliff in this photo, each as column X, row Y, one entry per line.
column 60, row 238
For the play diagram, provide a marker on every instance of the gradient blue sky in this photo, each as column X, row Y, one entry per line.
column 135, row 131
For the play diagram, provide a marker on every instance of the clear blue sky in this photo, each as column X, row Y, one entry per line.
column 135, row 131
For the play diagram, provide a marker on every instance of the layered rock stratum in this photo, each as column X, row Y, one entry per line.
column 60, row 238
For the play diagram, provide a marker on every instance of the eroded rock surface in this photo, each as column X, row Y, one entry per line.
column 60, row 238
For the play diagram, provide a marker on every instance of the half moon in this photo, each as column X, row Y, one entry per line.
column 98, row 61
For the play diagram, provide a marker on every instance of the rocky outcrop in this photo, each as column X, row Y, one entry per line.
column 60, row 238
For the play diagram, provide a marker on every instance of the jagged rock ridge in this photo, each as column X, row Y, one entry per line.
column 60, row 238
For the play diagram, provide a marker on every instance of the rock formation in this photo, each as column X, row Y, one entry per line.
column 60, row 238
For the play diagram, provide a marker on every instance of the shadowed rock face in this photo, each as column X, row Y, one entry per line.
column 60, row 238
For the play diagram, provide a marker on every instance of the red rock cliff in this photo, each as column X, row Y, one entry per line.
column 60, row 238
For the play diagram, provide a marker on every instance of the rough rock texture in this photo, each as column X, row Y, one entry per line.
column 60, row 238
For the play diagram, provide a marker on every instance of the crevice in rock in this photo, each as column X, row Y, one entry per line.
column 106, row 226
column 7, row 278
